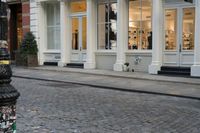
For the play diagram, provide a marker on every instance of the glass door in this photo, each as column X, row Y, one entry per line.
column 179, row 36
column 79, row 38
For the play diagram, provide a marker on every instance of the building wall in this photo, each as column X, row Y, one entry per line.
column 140, row 60
column 25, row 16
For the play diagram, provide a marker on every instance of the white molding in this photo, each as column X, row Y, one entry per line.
column 157, row 29
column 91, row 34
column 52, row 52
column 111, row 53
column 122, row 34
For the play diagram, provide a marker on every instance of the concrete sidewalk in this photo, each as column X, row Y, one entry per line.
column 133, row 75
column 128, row 81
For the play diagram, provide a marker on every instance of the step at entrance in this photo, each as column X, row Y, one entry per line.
column 176, row 71
column 75, row 65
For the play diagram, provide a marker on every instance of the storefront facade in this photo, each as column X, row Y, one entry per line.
column 19, row 23
column 105, row 34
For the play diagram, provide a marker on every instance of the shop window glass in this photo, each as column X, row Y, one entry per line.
column 75, row 33
column 84, row 33
column 107, row 24
column 78, row 6
column 53, row 26
column 188, row 28
column 170, row 29
column 140, row 34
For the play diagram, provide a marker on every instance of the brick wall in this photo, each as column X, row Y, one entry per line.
column 25, row 16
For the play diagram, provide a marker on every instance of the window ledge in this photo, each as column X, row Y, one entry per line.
column 105, row 52
column 52, row 52
column 141, row 52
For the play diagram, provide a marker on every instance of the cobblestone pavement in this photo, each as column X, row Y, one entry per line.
column 51, row 107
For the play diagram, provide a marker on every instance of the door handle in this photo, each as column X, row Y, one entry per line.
column 80, row 48
column 180, row 48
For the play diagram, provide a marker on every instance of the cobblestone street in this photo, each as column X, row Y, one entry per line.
column 52, row 107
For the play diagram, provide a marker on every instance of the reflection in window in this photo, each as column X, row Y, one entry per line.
column 107, row 25
column 78, row 6
column 188, row 28
column 84, row 33
column 170, row 29
column 75, row 33
column 53, row 26
column 140, row 35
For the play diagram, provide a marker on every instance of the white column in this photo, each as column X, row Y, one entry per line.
column 65, row 33
column 195, row 69
column 157, row 31
column 41, row 32
column 91, row 34
column 122, row 34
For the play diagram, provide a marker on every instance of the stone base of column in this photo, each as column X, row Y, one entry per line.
column 195, row 71
column 61, row 64
column 153, row 68
column 118, row 67
column 41, row 62
column 89, row 65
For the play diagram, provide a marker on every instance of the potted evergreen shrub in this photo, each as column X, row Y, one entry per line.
column 28, row 50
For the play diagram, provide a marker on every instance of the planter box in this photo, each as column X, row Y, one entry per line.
column 32, row 60
column 19, row 60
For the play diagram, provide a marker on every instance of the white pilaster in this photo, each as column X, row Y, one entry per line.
column 122, row 34
column 195, row 69
column 91, row 34
column 157, row 26
column 65, row 33
column 41, row 32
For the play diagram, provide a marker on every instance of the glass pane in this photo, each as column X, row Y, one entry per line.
column 107, row 12
column 102, row 13
column 78, row 6
column 113, row 35
column 84, row 33
column 146, row 9
column 134, row 10
column 102, row 36
column 50, row 14
column 134, row 24
column 75, row 33
column 188, row 28
column 53, row 38
column 53, row 26
column 134, row 38
column 19, row 29
column 170, row 29
column 146, row 34
column 112, row 12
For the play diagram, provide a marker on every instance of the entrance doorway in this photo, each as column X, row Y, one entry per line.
column 179, row 36
column 79, row 39
column 15, row 28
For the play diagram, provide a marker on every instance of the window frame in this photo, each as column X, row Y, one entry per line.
column 105, row 2
column 55, row 26
column 140, row 21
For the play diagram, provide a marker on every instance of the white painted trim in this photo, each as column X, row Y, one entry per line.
column 105, row 53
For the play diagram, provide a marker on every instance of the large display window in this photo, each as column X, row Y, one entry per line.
column 188, row 28
column 170, row 29
column 107, row 24
column 140, row 33
column 53, row 26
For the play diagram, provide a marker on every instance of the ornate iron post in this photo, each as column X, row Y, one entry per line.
column 8, row 94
